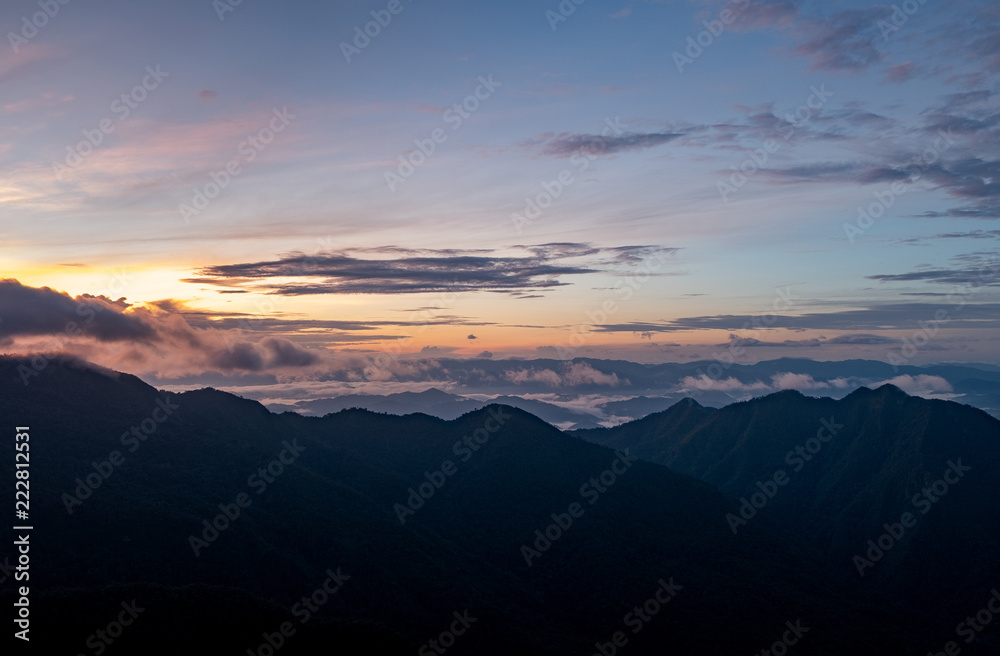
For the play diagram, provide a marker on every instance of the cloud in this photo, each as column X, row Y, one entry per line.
column 975, row 36
column 129, row 336
column 472, row 337
column 787, row 380
column 567, row 144
column 574, row 374
column 207, row 95
column 971, row 234
column 974, row 269
column 877, row 316
column 970, row 178
column 920, row 385
column 581, row 373
column 12, row 60
column 767, row 14
column 283, row 353
column 485, row 355
column 736, row 340
column 34, row 104
column 950, row 147
column 844, row 41
column 899, row 73
column 44, row 311
column 863, row 338
column 522, row 376
column 419, row 271
column 979, row 210
column 705, row 384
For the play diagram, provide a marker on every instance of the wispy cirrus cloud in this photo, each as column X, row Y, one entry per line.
column 970, row 234
column 873, row 317
column 566, row 144
column 856, row 39
column 420, row 271
column 843, row 41
column 900, row 72
column 973, row 269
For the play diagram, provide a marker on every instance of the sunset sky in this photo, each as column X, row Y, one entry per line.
column 701, row 182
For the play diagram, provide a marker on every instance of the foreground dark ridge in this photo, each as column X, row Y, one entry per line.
column 514, row 532
column 834, row 473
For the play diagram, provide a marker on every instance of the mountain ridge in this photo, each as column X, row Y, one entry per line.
column 468, row 544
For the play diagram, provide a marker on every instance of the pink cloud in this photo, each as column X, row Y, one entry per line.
column 47, row 99
column 899, row 73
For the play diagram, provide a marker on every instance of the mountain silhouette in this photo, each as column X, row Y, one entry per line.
column 219, row 518
column 436, row 403
column 853, row 465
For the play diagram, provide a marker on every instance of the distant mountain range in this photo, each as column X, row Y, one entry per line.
column 439, row 404
column 631, row 391
column 494, row 532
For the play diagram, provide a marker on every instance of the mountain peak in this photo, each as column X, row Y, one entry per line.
column 887, row 390
column 686, row 402
column 890, row 390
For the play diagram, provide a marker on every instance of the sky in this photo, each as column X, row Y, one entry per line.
column 350, row 190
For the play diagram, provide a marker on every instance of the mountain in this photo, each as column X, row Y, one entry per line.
column 848, row 469
column 436, row 403
column 638, row 407
column 433, row 402
column 363, row 532
column 594, row 392
column 983, row 394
